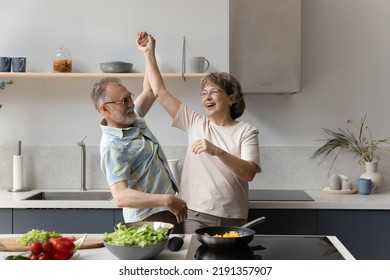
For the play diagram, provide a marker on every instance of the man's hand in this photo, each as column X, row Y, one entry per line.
column 178, row 207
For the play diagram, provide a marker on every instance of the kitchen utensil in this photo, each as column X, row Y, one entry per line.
column 5, row 64
column 175, row 243
column 246, row 235
column 199, row 64
column 183, row 59
column 116, row 67
column 18, row 64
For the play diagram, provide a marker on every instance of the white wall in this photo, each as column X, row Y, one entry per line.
column 345, row 74
column 345, row 58
column 97, row 31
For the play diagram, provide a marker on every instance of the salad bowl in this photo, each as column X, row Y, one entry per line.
column 138, row 241
column 124, row 252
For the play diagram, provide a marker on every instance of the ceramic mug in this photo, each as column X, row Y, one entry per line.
column 365, row 186
column 19, row 64
column 199, row 64
column 5, row 64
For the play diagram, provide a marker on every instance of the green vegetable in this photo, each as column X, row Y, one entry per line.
column 131, row 236
column 79, row 242
column 17, row 257
column 37, row 235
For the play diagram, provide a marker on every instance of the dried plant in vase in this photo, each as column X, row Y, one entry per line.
column 362, row 144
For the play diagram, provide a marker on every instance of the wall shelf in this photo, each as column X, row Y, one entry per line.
column 30, row 75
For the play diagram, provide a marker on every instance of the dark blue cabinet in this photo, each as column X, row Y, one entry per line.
column 64, row 220
column 5, row 221
column 285, row 221
column 365, row 233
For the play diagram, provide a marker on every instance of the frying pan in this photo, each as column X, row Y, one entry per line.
column 226, row 242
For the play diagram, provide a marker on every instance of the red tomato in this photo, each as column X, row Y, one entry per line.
column 43, row 257
column 62, row 256
column 36, row 248
column 71, row 238
column 48, row 249
column 63, row 248
column 34, row 257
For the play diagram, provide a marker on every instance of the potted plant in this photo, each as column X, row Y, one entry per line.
column 2, row 85
column 361, row 144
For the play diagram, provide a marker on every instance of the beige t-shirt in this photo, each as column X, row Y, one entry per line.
column 207, row 185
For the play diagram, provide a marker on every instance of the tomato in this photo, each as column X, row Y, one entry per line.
column 62, row 256
column 48, row 248
column 71, row 238
column 36, row 248
column 63, row 248
column 44, row 257
column 34, row 257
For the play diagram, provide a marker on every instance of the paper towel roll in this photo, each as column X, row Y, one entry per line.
column 18, row 173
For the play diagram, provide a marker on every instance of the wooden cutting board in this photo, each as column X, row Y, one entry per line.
column 10, row 244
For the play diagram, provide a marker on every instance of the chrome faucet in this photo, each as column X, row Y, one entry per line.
column 83, row 153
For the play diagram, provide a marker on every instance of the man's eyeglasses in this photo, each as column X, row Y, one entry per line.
column 125, row 101
column 214, row 92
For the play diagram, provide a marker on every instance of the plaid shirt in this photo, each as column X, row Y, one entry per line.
column 134, row 155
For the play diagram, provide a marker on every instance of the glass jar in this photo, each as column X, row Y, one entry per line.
column 62, row 62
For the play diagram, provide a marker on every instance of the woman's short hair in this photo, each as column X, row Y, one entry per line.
column 231, row 86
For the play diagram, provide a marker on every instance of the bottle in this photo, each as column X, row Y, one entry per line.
column 62, row 62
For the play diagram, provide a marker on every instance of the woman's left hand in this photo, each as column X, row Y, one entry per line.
column 203, row 145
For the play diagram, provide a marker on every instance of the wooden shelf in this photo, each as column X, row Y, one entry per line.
column 11, row 75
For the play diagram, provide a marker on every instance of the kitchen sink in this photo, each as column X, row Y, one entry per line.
column 76, row 195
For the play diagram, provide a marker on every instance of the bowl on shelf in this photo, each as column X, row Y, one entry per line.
column 116, row 67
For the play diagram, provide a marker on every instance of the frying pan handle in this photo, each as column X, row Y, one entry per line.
column 254, row 222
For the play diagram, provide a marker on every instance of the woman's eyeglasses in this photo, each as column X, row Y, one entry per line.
column 214, row 92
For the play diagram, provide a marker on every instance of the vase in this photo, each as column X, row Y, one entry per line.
column 373, row 174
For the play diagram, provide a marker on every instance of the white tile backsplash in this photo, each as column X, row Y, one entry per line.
column 283, row 167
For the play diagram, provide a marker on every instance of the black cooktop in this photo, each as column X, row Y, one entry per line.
column 270, row 247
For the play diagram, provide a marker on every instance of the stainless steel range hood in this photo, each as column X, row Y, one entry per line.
column 265, row 45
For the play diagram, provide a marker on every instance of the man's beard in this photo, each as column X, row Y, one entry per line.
column 126, row 120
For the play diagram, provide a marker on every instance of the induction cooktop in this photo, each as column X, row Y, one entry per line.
column 269, row 247
column 279, row 195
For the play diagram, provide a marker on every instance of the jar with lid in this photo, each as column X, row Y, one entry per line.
column 62, row 62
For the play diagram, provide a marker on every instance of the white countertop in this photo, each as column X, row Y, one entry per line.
column 322, row 200
column 104, row 254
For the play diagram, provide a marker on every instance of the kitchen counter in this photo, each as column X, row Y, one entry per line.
column 321, row 200
column 104, row 254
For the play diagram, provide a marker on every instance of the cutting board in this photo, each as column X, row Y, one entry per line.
column 10, row 244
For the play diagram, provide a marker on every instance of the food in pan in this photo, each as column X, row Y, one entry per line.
column 229, row 234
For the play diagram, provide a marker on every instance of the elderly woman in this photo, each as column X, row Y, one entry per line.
column 223, row 153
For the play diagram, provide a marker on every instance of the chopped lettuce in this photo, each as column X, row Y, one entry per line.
column 142, row 236
column 37, row 235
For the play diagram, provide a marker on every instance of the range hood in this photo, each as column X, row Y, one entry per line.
column 265, row 45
